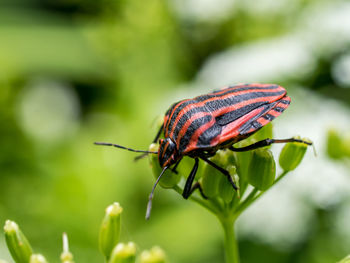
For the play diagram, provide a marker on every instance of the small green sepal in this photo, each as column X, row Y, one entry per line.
column 123, row 253
column 262, row 169
column 154, row 255
column 169, row 178
column 37, row 258
column 292, row 154
column 17, row 243
column 110, row 229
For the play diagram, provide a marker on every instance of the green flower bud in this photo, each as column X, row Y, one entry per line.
column 263, row 133
column 210, row 181
column 262, row 169
column 334, row 145
column 291, row 155
column 123, row 253
column 345, row 260
column 155, row 255
column 37, row 258
column 110, row 229
column 226, row 192
column 211, row 177
column 169, row 178
column 17, row 243
column 66, row 256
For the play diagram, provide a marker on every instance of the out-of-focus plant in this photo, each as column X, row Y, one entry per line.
column 345, row 260
column 253, row 171
column 338, row 145
column 113, row 251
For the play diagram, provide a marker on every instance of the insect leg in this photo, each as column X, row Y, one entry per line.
column 158, row 134
column 195, row 186
column 141, row 156
column 222, row 170
column 188, row 186
column 266, row 142
column 175, row 166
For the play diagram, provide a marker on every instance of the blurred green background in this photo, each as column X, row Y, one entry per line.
column 73, row 72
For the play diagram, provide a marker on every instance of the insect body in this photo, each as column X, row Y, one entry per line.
column 200, row 126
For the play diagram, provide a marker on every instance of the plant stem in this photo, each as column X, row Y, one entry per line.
column 231, row 246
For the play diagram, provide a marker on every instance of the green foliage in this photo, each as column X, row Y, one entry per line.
column 292, row 154
column 262, row 169
column 110, row 229
column 17, row 243
column 221, row 198
column 113, row 251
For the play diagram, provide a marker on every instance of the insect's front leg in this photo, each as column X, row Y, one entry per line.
column 154, row 141
column 175, row 166
column 266, row 142
column 189, row 186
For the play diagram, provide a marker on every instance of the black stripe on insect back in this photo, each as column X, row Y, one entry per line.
column 201, row 98
column 214, row 105
column 252, row 123
column 206, row 137
column 241, row 88
column 235, row 114
column 195, row 125
column 268, row 117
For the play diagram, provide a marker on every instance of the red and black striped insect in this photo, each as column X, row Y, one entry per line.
column 200, row 126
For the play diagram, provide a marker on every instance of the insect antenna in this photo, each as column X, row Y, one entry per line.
column 141, row 156
column 122, row 147
column 149, row 204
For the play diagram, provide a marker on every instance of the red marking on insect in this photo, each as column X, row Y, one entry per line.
column 200, row 126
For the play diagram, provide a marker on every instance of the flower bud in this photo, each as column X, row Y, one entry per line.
column 263, row 133
column 169, row 178
column 291, row 155
column 37, row 258
column 66, row 256
column 123, row 253
column 262, row 169
column 335, row 145
column 226, row 191
column 210, row 181
column 155, row 255
column 110, row 229
column 17, row 243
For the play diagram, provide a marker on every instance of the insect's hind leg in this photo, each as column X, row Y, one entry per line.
column 222, row 170
column 189, row 186
column 267, row 142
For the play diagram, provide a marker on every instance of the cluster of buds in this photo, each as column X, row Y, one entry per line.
column 113, row 251
column 253, row 171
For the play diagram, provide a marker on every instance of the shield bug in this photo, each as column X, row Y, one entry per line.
column 200, row 126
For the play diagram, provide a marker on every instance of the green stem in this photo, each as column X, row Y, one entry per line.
column 200, row 201
column 231, row 246
column 283, row 174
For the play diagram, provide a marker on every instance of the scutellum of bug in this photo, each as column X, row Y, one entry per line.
column 201, row 126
